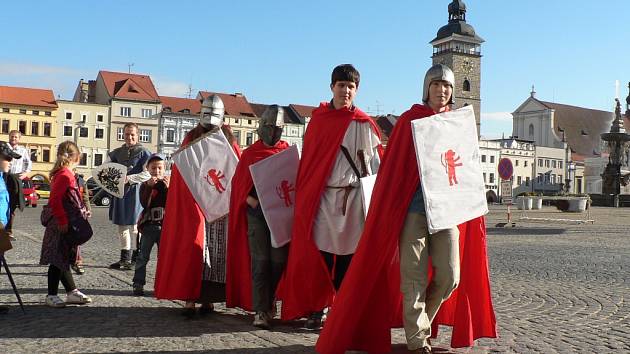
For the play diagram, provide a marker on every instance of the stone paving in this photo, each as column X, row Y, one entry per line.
column 558, row 288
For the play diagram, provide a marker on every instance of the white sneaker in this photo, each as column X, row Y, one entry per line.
column 77, row 297
column 54, row 301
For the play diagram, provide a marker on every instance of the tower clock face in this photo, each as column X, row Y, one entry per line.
column 468, row 66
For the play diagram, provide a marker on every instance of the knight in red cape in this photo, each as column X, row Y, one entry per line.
column 400, row 273
column 191, row 257
column 341, row 145
column 254, row 267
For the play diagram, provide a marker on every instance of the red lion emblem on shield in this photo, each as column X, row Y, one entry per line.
column 449, row 161
column 214, row 178
column 284, row 192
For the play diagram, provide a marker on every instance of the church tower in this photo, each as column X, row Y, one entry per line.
column 459, row 47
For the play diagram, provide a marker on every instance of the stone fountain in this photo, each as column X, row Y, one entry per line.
column 617, row 140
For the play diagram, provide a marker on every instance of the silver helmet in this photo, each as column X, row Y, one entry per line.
column 212, row 112
column 271, row 124
column 438, row 72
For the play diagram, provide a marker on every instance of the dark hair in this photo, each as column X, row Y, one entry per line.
column 345, row 72
column 131, row 125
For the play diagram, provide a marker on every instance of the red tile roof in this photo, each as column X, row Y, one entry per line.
column 27, row 96
column 236, row 104
column 129, row 86
column 177, row 104
column 302, row 110
column 582, row 126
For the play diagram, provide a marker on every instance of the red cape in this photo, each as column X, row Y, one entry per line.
column 307, row 285
column 369, row 302
column 179, row 267
column 239, row 275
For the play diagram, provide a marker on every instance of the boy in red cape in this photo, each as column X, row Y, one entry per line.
column 393, row 257
column 182, row 270
column 341, row 145
column 254, row 267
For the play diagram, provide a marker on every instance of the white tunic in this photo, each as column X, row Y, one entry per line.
column 334, row 232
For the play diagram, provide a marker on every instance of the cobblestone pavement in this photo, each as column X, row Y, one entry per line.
column 557, row 288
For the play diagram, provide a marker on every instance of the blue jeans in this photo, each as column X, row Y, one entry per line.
column 150, row 236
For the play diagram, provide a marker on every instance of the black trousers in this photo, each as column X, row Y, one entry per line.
column 337, row 266
column 55, row 275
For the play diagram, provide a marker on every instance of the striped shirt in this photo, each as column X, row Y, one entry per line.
column 24, row 164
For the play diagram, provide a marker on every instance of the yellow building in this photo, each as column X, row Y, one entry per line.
column 34, row 113
column 87, row 124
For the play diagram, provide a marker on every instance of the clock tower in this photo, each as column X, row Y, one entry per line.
column 459, row 47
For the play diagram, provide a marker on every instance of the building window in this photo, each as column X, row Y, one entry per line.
column 46, row 155
column 34, row 128
column 553, row 179
column 539, row 178
column 466, row 86
column 5, row 110
column 483, row 158
column 516, row 163
column 547, row 177
column 235, row 121
column 5, row 126
column 34, row 155
column 99, row 117
column 48, row 113
column 553, row 163
column 83, row 132
column 250, row 139
column 237, row 136
column 527, row 181
column 540, row 163
column 47, row 129
column 69, row 115
column 83, row 160
column 531, row 130
column 519, row 180
column 145, row 135
column 84, row 118
column 99, row 133
column 525, row 163
column 170, row 136
column 146, row 113
column 547, row 164
column 22, row 111
column 484, row 177
column 35, row 113
column 98, row 159
column 67, row 130
column 22, row 127
column 125, row 111
column 249, row 121
column 120, row 134
column 559, row 164
column 492, row 178
column 491, row 158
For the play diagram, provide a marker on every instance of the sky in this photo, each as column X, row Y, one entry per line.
column 283, row 51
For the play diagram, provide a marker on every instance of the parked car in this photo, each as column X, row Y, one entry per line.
column 30, row 196
column 98, row 195
column 42, row 190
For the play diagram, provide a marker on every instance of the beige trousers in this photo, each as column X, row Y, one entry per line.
column 128, row 235
column 421, row 300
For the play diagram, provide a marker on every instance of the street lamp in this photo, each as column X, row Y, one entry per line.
column 567, row 180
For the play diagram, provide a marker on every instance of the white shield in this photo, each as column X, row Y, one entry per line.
column 111, row 177
column 274, row 179
column 447, row 152
column 367, row 185
column 207, row 166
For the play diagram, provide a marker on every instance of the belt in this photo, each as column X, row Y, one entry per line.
column 347, row 190
column 155, row 214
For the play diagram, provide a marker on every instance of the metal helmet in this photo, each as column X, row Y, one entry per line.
column 212, row 112
column 271, row 124
column 438, row 72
